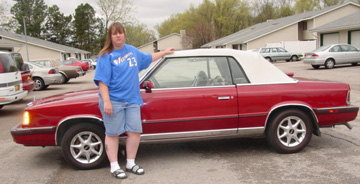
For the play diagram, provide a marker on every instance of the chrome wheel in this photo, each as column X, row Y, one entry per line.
column 291, row 131
column 330, row 63
column 86, row 147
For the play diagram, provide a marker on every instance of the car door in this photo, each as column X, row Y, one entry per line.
column 283, row 54
column 351, row 54
column 338, row 54
column 192, row 97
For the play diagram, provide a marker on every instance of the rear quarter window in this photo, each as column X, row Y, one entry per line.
column 7, row 65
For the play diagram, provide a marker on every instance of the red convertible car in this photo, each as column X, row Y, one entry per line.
column 192, row 95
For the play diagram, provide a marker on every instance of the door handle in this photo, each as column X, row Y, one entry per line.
column 224, row 98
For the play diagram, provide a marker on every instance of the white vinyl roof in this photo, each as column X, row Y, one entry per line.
column 257, row 69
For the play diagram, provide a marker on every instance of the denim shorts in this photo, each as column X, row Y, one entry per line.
column 125, row 118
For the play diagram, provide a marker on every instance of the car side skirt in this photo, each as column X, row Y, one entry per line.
column 196, row 135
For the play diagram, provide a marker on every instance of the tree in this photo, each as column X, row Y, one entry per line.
column 34, row 11
column 138, row 34
column 84, row 27
column 302, row 6
column 58, row 26
column 116, row 10
column 6, row 22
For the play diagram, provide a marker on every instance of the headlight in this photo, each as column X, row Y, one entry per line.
column 26, row 120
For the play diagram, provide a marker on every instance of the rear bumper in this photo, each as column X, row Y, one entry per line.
column 43, row 136
column 13, row 98
column 336, row 115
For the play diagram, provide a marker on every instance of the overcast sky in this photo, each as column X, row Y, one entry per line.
column 148, row 12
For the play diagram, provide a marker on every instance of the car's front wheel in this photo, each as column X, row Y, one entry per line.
column 316, row 66
column 294, row 58
column 83, row 146
column 289, row 131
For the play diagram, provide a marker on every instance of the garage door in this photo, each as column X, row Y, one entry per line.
column 354, row 38
column 329, row 38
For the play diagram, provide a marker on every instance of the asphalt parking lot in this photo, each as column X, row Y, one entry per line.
column 330, row 159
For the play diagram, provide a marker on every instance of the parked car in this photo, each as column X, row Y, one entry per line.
column 67, row 72
column 277, row 53
column 74, row 62
column 44, row 76
column 331, row 55
column 11, row 85
column 26, row 75
column 194, row 95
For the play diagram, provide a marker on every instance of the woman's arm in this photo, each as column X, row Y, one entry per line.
column 104, row 91
column 158, row 55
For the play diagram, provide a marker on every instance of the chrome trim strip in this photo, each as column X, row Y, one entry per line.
column 284, row 105
column 144, row 121
column 195, row 135
column 190, row 87
column 70, row 118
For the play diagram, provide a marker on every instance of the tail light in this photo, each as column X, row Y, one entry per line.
column 314, row 55
column 348, row 98
column 52, row 71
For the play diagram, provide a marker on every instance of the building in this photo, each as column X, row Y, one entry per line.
column 38, row 48
column 299, row 27
column 175, row 40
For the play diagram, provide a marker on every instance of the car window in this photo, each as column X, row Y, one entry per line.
column 273, row 50
column 335, row 49
column 18, row 60
column 192, row 72
column 281, row 50
column 265, row 50
column 237, row 73
column 351, row 48
column 7, row 65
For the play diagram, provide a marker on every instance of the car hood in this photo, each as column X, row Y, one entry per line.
column 67, row 98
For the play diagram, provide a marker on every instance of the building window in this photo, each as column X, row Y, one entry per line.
column 304, row 25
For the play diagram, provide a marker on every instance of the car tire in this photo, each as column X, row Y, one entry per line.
column 354, row 64
column 316, row 66
column 1, row 106
column 83, row 146
column 329, row 63
column 294, row 58
column 63, row 79
column 269, row 59
column 39, row 84
column 289, row 131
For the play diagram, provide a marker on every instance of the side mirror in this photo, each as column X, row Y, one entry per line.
column 148, row 85
column 290, row 74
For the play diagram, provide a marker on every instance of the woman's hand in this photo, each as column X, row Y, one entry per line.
column 108, row 108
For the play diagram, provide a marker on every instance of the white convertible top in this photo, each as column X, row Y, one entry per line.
column 257, row 69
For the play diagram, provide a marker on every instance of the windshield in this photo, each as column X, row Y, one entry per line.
column 145, row 72
column 59, row 62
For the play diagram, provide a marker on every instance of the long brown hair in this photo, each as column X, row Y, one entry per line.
column 113, row 28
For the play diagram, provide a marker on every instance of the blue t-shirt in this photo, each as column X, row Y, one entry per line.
column 119, row 71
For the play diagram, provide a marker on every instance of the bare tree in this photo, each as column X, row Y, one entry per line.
column 116, row 10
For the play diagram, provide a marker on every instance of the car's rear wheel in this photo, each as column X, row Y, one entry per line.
column 289, row 131
column 316, row 66
column 39, row 83
column 1, row 106
column 83, row 146
column 294, row 58
column 63, row 79
column 329, row 63
column 354, row 64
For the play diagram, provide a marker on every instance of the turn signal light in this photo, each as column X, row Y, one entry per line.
column 26, row 118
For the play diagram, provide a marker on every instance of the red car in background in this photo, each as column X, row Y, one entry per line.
column 74, row 62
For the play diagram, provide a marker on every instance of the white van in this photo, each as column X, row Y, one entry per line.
column 11, row 87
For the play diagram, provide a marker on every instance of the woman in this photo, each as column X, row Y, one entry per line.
column 117, row 77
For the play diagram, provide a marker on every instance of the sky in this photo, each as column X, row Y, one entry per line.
column 148, row 12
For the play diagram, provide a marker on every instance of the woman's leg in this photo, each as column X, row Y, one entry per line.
column 132, row 144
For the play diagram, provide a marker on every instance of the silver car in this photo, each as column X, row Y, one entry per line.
column 44, row 76
column 331, row 55
column 278, row 53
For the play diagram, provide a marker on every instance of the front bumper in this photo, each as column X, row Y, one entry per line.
column 39, row 136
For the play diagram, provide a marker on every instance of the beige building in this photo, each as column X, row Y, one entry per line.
column 175, row 40
column 35, row 48
column 293, row 28
column 343, row 30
